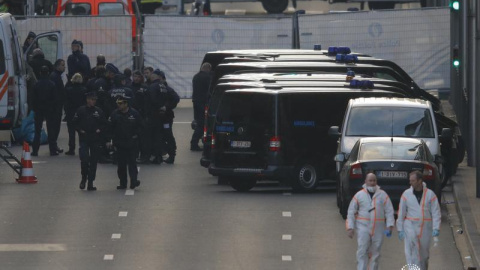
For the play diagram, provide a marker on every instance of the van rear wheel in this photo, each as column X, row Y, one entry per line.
column 242, row 184
column 306, row 177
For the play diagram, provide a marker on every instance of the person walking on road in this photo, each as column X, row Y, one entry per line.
column 91, row 123
column 44, row 108
column 126, row 125
column 370, row 214
column 419, row 219
column 75, row 97
column 201, row 84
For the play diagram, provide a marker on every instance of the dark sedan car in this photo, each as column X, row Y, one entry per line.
column 391, row 159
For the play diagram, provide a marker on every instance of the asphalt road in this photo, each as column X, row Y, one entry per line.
column 179, row 218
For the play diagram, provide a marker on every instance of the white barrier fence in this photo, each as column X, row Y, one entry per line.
column 417, row 40
column 110, row 36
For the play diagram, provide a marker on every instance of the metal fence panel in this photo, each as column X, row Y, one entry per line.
column 107, row 35
column 177, row 44
column 417, row 40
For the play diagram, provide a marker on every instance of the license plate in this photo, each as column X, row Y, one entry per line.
column 240, row 144
column 391, row 174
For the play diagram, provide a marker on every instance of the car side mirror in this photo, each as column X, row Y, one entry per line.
column 446, row 134
column 339, row 157
column 439, row 159
column 333, row 131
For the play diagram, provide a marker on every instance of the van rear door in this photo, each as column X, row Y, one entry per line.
column 51, row 45
column 244, row 125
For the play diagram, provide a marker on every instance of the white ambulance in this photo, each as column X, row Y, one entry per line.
column 13, row 87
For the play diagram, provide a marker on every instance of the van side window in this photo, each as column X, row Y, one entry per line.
column 49, row 46
column 111, row 9
column 16, row 65
column 2, row 58
column 75, row 9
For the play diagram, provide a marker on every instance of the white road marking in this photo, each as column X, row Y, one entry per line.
column 130, row 192
column 286, row 258
column 116, row 236
column 286, row 237
column 287, row 193
column 182, row 122
column 32, row 247
column 108, row 257
column 287, row 214
column 122, row 214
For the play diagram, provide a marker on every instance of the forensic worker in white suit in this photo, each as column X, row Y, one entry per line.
column 370, row 214
column 418, row 220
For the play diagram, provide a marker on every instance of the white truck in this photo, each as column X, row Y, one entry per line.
column 13, row 86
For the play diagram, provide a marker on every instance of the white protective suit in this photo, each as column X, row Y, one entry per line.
column 417, row 221
column 367, row 216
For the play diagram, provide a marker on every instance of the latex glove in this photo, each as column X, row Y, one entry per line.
column 401, row 235
column 435, row 233
column 388, row 233
column 350, row 233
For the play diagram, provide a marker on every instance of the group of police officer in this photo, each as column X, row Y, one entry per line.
column 140, row 122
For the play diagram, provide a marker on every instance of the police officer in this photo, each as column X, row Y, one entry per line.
column 126, row 125
column 56, row 77
column 90, row 123
column 75, row 97
column 167, row 132
column 200, row 84
column 44, row 108
column 77, row 61
column 139, row 90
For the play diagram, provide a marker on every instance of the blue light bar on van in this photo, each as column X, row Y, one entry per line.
column 337, row 50
column 317, row 47
column 346, row 58
column 361, row 84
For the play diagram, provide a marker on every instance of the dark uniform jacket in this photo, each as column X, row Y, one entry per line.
column 89, row 119
column 102, row 86
column 56, row 77
column 201, row 84
column 75, row 98
column 139, row 91
column 114, row 93
column 78, row 63
column 37, row 62
column 44, row 95
column 125, row 128
column 157, row 96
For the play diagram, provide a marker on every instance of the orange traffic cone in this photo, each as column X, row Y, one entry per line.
column 25, row 144
column 27, row 176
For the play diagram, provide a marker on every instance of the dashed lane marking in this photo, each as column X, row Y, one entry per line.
column 32, row 247
column 108, row 257
column 286, row 258
column 286, row 237
column 130, row 192
column 287, row 214
column 287, row 193
column 122, row 214
column 116, row 236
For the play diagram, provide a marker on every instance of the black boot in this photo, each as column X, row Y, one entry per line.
column 135, row 184
column 170, row 159
column 82, row 183
column 70, row 152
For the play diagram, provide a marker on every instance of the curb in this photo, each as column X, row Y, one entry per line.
column 466, row 218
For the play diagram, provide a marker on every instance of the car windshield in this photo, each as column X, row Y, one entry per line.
column 76, row 9
column 391, row 151
column 390, row 121
column 111, row 9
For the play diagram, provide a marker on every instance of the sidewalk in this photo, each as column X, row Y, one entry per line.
column 468, row 208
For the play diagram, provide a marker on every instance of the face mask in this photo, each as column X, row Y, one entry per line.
column 372, row 189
